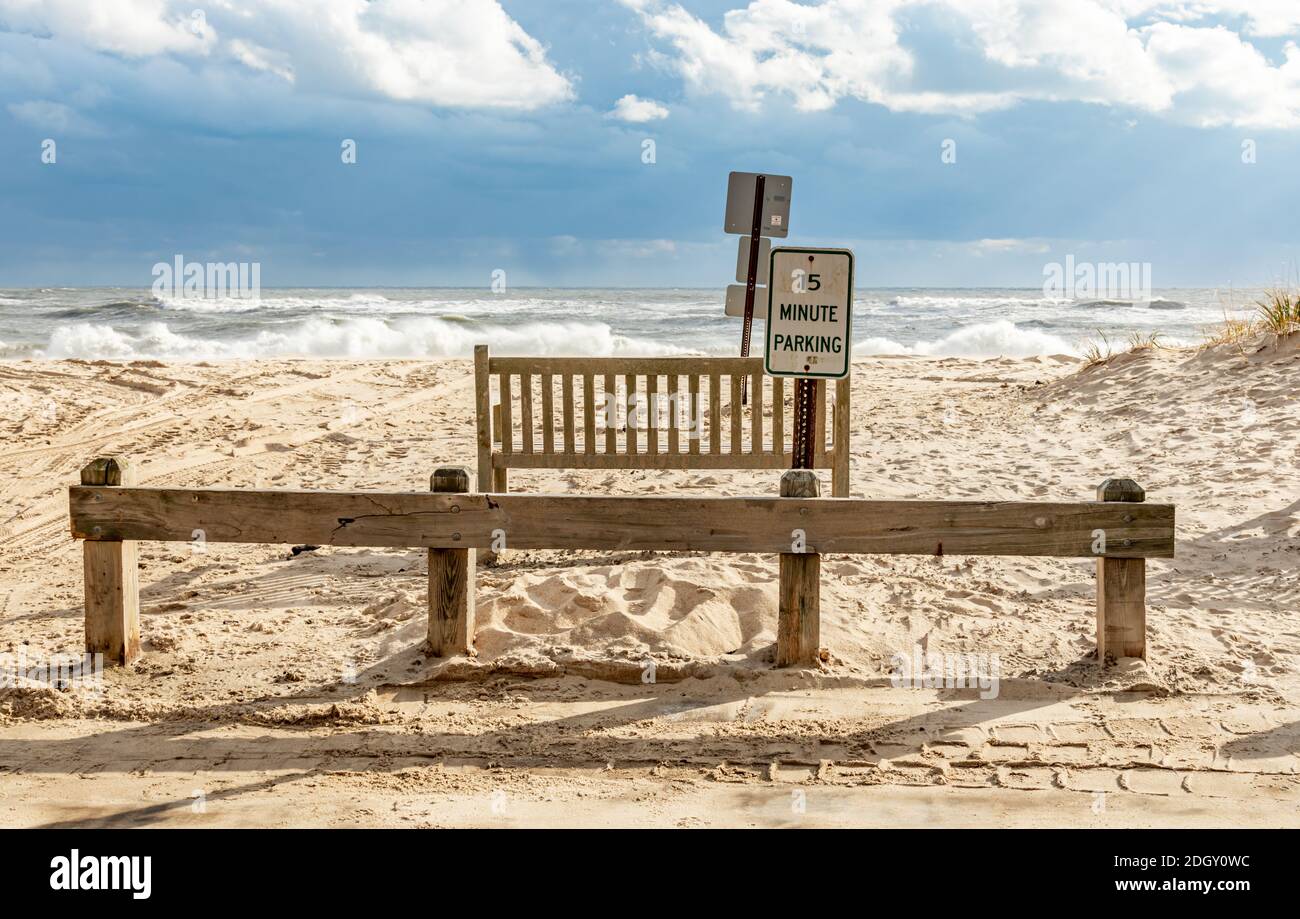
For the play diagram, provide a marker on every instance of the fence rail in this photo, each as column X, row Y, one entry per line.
column 110, row 514
column 683, row 524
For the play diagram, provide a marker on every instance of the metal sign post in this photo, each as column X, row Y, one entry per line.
column 750, row 278
column 808, row 331
column 765, row 200
column 803, row 453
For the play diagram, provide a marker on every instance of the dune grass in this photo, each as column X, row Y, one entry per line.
column 1279, row 311
column 1137, row 341
column 1097, row 351
column 1231, row 332
column 1101, row 349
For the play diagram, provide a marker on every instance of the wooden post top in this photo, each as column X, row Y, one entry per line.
column 800, row 483
column 450, row 479
column 108, row 470
column 1121, row 490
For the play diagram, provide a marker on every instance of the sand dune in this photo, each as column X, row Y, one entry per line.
column 294, row 688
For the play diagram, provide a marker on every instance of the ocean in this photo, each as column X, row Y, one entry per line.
column 126, row 324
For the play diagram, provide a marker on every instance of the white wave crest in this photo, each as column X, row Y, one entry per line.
column 354, row 337
column 1001, row 338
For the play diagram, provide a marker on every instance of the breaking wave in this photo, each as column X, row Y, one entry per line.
column 1001, row 338
column 413, row 337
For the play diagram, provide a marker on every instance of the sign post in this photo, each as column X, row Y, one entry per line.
column 808, row 331
column 758, row 205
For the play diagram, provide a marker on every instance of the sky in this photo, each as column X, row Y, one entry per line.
column 576, row 143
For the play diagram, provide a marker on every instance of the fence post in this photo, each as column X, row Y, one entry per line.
column 483, row 414
column 798, row 628
column 489, row 419
column 840, row 442
column 112, row 578
column 451, row 580
column 1121, row 589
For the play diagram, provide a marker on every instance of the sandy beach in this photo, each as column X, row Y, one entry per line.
column 282, row 689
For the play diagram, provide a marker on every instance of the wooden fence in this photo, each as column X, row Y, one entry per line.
column 109, row 513
column 636, row 413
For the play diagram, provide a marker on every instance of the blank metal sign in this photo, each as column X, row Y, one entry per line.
column 740, row 204
column 809, row 313
column 735, row 303
column 742, row 260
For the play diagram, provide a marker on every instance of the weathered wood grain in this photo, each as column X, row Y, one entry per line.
column 840, row 440
column 527, row 430
column 548, row 414
column 483, row 415
column 778, row 421
column 507, row 438
column 451, row 580
column 1121, row 584
column 621, row 365
column 736, row 524
column 715, row 413
column 588, row 414
column 736, row 413
column 570, row 439
column 630, row 404
column 798, row 627
column 610, row 412
column 631, row 454
column 110, row 573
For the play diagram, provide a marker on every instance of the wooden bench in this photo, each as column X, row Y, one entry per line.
column 684, row 413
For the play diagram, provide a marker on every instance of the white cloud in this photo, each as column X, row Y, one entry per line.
column 255, row 57
column 134, row 28
column 454, row 53
column 637, row 110
column 1173, row 58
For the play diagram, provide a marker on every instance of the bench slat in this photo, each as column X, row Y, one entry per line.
column 697, row 421
column 652, row 397
column 567, row 396
column 637, row 365
column 823, row 432
column 735, row 415
column 507, row 415
column 588, row 414
column 526, row 410
column 674, row 384
column 630, row 402
column 715, row 413
column 548, row 414
column 778, row 417
column 611, row 414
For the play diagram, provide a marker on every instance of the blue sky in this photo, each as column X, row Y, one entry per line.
column 490, row 135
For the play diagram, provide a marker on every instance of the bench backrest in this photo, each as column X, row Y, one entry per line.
column 645, row 413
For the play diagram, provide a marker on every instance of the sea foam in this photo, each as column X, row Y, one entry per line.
column 1001, row 338
column 358, row 337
